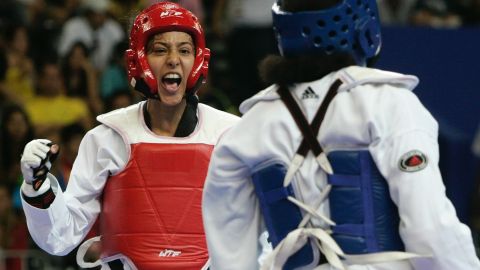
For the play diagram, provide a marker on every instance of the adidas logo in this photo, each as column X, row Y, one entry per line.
column 309, row 93
column 169, row 253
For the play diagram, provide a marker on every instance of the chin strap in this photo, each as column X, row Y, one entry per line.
column 142, row 87
column 189, row 119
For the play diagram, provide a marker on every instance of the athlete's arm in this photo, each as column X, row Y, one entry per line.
column 63, row 225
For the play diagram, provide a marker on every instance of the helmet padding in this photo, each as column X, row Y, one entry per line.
column 351, row 26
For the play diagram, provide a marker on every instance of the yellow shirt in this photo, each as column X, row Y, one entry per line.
column 56, row 110
column 20, row 84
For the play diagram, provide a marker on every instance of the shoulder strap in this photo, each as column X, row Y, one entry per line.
column 309, row 132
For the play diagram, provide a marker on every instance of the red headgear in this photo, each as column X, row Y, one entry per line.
column 164, row 17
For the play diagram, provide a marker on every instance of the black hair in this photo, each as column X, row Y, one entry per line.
column 69, row 131
column 11, row 31
column 119, row 51
column 118, row 92
column 7, row 148
column 46, row 60
column 80, row 44
column 79, row 89
column 3, row 65
column 280, row 70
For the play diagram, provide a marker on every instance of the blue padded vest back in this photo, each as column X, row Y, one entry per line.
column 360, row 204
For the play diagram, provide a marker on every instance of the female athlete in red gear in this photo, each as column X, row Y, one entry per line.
column 142, row 170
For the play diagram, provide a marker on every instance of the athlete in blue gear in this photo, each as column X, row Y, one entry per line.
column 342, row 169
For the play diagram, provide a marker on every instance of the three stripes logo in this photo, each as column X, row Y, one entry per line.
column 309, row 93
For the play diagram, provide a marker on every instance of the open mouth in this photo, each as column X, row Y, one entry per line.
column 172, row 81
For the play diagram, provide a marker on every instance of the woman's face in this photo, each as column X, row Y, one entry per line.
column 171, row 56
column 17, row 126
column 20, row 40
column 77, row 57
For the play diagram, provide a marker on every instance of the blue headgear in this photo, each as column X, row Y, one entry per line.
column 352, row 26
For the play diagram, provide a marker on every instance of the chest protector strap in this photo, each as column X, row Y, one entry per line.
column 275, row 194
column 366, row 220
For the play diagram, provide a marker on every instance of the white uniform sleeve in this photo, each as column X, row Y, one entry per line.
column 61, row 227
column 230, row 211
column 428, row 222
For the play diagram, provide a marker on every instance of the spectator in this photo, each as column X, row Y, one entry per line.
column 114, row 76
column 396, row 12
column 51, row 109
column 216, row 98
column 13, row 229
column 20, row 71
column 15, row 131
column 122, row 10
column 70, row 138
column 435, row 13
column 46, row 21
column 469, row 11
column 4, row 91
column 95, row 29
column 119, row 99
column 81, row 78
column 246, row 26
column 11, row 12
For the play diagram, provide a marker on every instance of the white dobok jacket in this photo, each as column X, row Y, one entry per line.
column 374, row 110
column 104, row 152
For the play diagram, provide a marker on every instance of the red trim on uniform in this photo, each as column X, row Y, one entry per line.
column 42, row 201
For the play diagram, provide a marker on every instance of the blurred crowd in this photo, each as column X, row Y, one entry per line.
column 61, row 65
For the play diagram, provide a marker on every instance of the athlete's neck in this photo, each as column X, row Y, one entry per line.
column 164, row 120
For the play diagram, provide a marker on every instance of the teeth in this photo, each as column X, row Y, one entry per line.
column 172, row 76
column 172, row 79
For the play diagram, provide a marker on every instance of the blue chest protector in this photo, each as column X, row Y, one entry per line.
column 280, row 215
column 366, row 219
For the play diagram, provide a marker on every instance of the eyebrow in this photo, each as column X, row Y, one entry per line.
column 149, row 46
column 167, row 44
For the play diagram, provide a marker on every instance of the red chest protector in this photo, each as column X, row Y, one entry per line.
column 151, row 211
